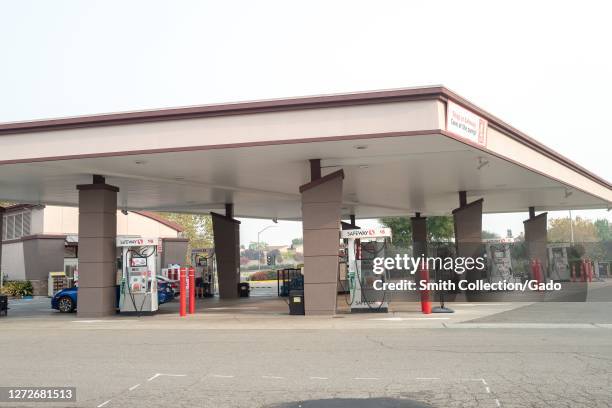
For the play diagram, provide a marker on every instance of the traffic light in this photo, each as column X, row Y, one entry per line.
column 270, row 260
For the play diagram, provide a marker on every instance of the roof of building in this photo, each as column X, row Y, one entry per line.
column 271, row 105
column 148, row 214
column 156, row 217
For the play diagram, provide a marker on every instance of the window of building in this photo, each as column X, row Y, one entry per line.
column 16, row 225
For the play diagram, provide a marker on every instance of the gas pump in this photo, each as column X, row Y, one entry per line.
column 138, row 289
column 558, row 261
column 363, row 245
column 203, row 259
column 500, row 260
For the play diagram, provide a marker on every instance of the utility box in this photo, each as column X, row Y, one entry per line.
column 296, row 302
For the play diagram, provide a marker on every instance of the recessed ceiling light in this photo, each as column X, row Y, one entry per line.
column 363, row 166
column 360, row 147
column 139, row 162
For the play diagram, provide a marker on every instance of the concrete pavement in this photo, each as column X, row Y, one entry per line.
column 250, row 353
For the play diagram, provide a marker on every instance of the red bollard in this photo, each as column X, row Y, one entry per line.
column 183, row 295
column 425, row 302
column 191, row 290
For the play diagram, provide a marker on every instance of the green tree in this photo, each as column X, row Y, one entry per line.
column 559, row 230
column 197, row 229
column 253, row 246
column 489, row 235
column 297, row 241
column 604, row 229
column 439, row 229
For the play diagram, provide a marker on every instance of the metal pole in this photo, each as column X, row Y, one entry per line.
column 571, row 228
column 183, row 295
column 191, row 290
column 259, row 251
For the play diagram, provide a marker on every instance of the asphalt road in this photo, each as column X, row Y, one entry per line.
column 230, row 359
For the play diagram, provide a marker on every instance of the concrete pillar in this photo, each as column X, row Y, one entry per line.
column 97, row 249
column 227, row 252
column 419, row 235
column 321, row 210
column 536, row 238
column 468, row 235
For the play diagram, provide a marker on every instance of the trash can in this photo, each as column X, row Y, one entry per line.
column 296, row 302
column 244, row 289
column 3, row 305
column 208, row 290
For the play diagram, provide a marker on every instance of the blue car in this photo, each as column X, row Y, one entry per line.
column 66, row 299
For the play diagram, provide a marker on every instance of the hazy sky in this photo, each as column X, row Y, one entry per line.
column 544, row 67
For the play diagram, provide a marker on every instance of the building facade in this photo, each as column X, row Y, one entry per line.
column 38, row 239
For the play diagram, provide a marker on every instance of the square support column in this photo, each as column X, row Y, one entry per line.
column 321, row 211
column 97, row 250
column 468, row 237
column 419, row 235
column 536, row 238
column 227, row 252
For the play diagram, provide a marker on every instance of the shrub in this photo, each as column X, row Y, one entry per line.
column 261, row 275
column 18, row 288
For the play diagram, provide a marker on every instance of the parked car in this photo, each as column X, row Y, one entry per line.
column 174, row 284
column 66, row 299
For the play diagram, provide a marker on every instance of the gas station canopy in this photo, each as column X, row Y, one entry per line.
column 402, row 151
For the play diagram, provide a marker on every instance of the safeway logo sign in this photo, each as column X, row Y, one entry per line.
column 366, row 233
column 121, row 242
column 465, row 124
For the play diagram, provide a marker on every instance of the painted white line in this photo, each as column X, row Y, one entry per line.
column 488, row 390
column 319, row 378
column 103, row 404
column 497, row 402
column 427, row 378
column 133, row 387
column 272, row 377
column 366, row 378
column 221, row 376
column 483, row 381
column 166, row 375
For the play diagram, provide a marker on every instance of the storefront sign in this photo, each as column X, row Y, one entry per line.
column 465, row 124
column 127, row 242
column 366, row 233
